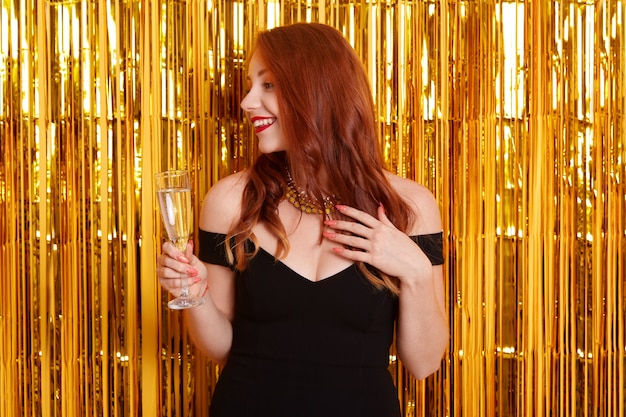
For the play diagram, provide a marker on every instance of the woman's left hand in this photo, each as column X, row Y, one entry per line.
column 377, row 242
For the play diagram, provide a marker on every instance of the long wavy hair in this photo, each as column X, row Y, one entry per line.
column 327, row 116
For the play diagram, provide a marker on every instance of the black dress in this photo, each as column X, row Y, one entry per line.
column 307, row 349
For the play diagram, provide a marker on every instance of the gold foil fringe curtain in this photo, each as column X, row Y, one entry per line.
column 511, row 112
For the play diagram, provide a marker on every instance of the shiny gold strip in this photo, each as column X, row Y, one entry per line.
column 598, row 188
column 614, row 154
column 11, row 327
column 8, row 233
column 69, row 334
column 97, row 323
column 101, row 211
column 441, row 183
column 150, row 353
column 84, row 401
column 534, row 341
column 489, row 123
column 45, row 285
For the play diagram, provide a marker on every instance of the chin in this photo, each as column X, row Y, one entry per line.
column 265, row 148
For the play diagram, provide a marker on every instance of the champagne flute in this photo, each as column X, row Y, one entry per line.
column 174, row 195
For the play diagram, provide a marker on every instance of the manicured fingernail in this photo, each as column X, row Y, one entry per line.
column 192, row 272
column 330, row 222
column 196, row 280
column 181, row 258
column 337, row 250
column 340, row 207
column 329, row 235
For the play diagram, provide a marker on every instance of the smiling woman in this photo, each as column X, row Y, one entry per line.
column 291, row 347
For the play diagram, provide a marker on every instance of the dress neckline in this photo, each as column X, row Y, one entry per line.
column 333, row 276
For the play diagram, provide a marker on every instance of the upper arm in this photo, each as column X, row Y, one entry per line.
column 222, row 204
column 427, row 218
column 221, row 282
column 220, row 209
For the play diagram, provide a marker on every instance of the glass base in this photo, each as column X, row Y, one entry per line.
column 182, row 303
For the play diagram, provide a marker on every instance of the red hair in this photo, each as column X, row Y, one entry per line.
column 328, row 119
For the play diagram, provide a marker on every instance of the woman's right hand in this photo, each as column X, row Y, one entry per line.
column 173, row 266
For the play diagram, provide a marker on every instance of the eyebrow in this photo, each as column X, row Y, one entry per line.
column 260, row 73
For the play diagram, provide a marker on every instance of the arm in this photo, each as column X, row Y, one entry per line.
column 209, row 324
column 422, row 332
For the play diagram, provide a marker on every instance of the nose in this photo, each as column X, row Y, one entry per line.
column 250, row 102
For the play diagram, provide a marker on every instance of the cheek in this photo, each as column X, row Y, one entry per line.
column 272, row 105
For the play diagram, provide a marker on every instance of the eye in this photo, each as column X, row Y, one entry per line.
column 268, row 85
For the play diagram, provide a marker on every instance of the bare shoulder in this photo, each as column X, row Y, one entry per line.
column 221, row 205
column 425, row 206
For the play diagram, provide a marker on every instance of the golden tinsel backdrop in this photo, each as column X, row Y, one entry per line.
column 511, row 112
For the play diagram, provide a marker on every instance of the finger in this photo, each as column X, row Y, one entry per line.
column 349, row 241
column 167, row 272
column 170, row 250
column 189, row 250
column 357, row 215
column 173, row 252
column 382, row 216
column 167, row 261
column 166, row 264
column 349, row 227
column 353, row 255
column 172, row 279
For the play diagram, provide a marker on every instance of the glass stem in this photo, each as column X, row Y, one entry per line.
column 184, row 291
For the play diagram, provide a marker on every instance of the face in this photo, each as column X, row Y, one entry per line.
column 261, row 107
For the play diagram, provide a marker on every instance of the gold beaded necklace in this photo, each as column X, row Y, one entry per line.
column 300, row 199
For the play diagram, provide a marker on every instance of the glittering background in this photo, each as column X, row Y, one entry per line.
column 511, row 112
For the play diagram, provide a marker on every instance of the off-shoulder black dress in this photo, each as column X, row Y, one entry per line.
column 307, row 349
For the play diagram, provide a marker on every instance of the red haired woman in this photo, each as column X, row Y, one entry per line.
column 315, row 254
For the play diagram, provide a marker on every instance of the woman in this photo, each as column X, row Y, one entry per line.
column 321, row 261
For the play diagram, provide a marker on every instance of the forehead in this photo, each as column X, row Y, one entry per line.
column 256, row 66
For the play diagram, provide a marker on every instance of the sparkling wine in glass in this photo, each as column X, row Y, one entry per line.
column 174, row 195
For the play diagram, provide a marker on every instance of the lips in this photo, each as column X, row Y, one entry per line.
column 262, row 123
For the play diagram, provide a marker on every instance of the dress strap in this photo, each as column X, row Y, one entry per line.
column 213, row 249
column 432, row 245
